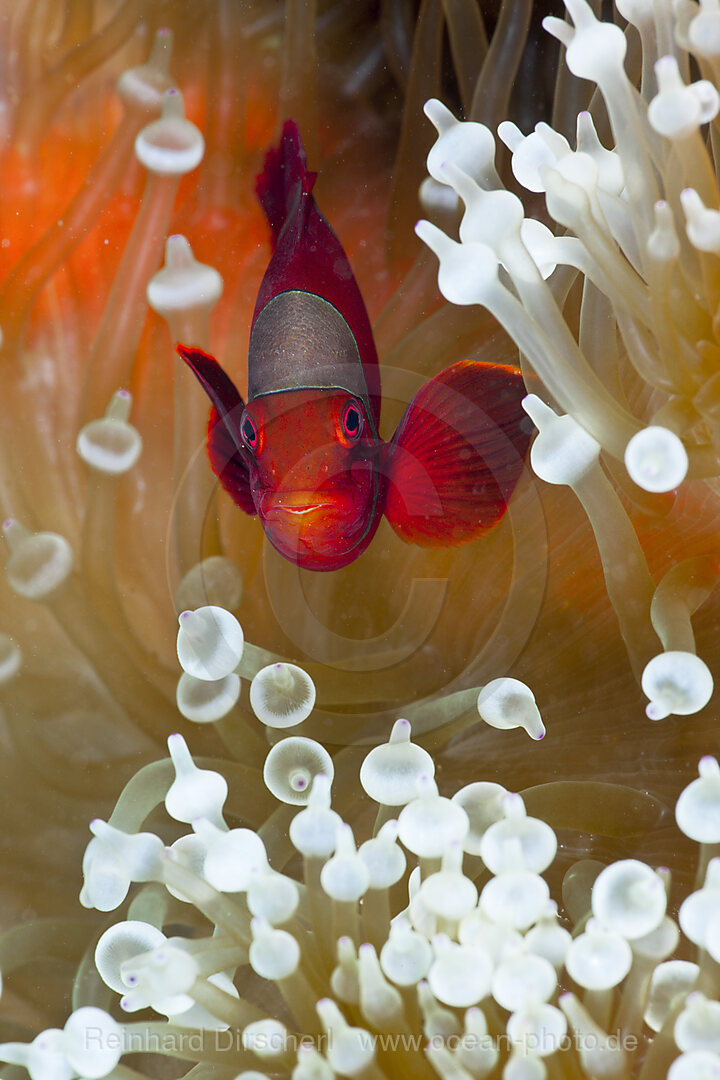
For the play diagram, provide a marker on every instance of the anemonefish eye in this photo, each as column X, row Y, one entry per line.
column 249, row 432
column 352, row 422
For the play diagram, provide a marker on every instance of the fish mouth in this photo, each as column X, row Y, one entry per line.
column 277, row 504
column 303, row 524
column 282, row 504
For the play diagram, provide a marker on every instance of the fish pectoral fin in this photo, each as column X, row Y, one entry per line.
column 218, row 386
column 228, row 463
column 224, row 444
column 457, row 455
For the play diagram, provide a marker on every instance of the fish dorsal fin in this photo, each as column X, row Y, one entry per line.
column 224, row 446
column 457, row 455
column 307, row 255
column 285, row 183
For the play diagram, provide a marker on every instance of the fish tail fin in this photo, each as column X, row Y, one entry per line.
column 284, row 181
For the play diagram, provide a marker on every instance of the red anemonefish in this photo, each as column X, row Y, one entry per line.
column 304, row 453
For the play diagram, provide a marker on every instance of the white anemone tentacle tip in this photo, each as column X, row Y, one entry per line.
column 468, row 145
column 676, row 682
column 282, row 695
column 143, row 87
column 656, row 459
column 594, row 50
column 509, row 703
column 194, row 793
column 467, row 273
column 291, row 767
column 183, row 283
column 563, row 452
column 703, row 31
column 678, row 110
column 39, row 563
column 92, row 1042
column 206, row 701
column 172, row 145
column 215, row 580
column 210, row 642
column 390, row 772
column 702, row 223
column 629, row 898
column 267, row 1039
column 697, row 811
column 111, row 445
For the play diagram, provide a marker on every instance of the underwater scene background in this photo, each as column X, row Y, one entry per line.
column 125, row 124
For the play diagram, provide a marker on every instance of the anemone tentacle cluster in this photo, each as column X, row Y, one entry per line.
column 616, row 313
column 213, row 654
column 430, row 948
